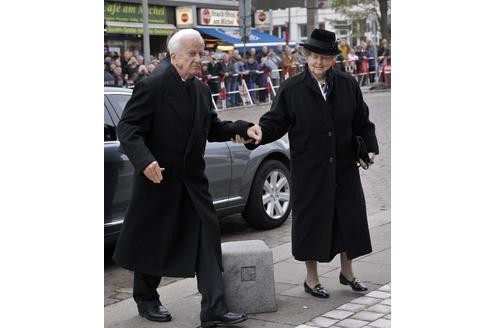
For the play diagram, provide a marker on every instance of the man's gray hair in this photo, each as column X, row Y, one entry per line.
column 175, row 41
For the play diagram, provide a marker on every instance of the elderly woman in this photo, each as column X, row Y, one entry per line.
column 323, row 111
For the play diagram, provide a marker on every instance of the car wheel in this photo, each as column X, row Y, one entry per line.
column 268, row 204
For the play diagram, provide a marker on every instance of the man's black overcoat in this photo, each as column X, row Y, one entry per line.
column 325, row 179
column 169, row 120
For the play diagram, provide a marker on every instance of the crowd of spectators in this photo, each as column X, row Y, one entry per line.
column 254, row 67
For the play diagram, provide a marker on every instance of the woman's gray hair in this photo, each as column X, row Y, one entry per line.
column 306, row 52
column 175, row 41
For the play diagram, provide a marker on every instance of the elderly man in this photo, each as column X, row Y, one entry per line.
column 323, row 111
column 171, row 228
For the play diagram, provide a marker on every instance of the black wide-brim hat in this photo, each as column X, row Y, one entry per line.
column 322, row 42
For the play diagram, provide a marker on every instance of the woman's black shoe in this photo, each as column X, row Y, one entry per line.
column 355, row 284
column 317, row 291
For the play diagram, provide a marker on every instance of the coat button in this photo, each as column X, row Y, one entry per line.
column 329, row 133
column 330, row 159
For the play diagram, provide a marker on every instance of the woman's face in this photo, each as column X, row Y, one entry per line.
column 319, row 64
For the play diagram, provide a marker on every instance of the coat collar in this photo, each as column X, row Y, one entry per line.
column 175, row 94
column 312, row 84
column 199, row 111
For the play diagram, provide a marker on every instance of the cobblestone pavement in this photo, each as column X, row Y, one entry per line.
column 370, row 310
column 376, row 185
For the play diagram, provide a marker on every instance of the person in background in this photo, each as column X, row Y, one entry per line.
column 141, row 74
column 108, row 77
column 119, row 79
column 263, row 73
column 151, row 68
column 370, row 56
column 353, row 60
column 124, row 61
column 221, row 70
column 242, row 73
column 383, row 57
column 301, row 57
column 252, row 53
column 231, row 84
column 289, row 64
column 262, row 53
column 279, row 51
column 273, row 61
column 252, row 66
column 214, row 80
column 204, row 74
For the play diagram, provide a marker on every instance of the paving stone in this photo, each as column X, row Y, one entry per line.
column 387, row 301
column 352, row 323
column 366, row 300
column 385, row 288
column 305, row 326
column 324, row 322
column 338, row 314
column 383, row 257
column 367, row 316
column 381, row 323
column 312, row 324
column 388, row 316
column 352, row 307
column 379, row 294
column 380, row 308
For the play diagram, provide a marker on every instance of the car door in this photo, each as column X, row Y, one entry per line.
column 119, row 172
column 219, row 172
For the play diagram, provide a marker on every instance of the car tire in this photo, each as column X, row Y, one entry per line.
column 270, row 193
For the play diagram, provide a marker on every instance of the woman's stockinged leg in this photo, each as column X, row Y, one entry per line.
column 346, row 266
column 312, row 273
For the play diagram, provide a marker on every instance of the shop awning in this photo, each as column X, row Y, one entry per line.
column 232, row 36
column 137, row 28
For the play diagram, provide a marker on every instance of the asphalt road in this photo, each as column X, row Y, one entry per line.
column 376, row 185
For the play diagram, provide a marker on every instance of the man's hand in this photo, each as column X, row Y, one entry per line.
column 255, row 133
column 154, row 172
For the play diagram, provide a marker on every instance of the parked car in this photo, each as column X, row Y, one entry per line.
column 254, row 183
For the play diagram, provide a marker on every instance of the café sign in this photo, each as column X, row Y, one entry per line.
column 218, row 17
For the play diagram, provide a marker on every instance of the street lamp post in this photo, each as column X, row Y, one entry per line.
column 146, row 34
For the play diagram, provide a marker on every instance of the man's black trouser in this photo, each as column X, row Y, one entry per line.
column 210, row 284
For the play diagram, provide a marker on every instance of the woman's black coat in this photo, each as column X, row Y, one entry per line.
column 169, row 120
column 325, row 180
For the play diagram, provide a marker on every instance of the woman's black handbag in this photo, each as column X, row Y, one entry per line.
column 361, row 151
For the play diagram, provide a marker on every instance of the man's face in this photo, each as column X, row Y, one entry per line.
column 319, row 64
column 188, row 59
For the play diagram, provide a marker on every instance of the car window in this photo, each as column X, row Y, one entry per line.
column 110, row 133
column 118, row 102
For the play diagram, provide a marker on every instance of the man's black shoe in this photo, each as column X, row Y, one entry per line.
column 155, row 313
column 226, row 319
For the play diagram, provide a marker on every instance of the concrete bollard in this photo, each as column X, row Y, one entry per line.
column 248, row 276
